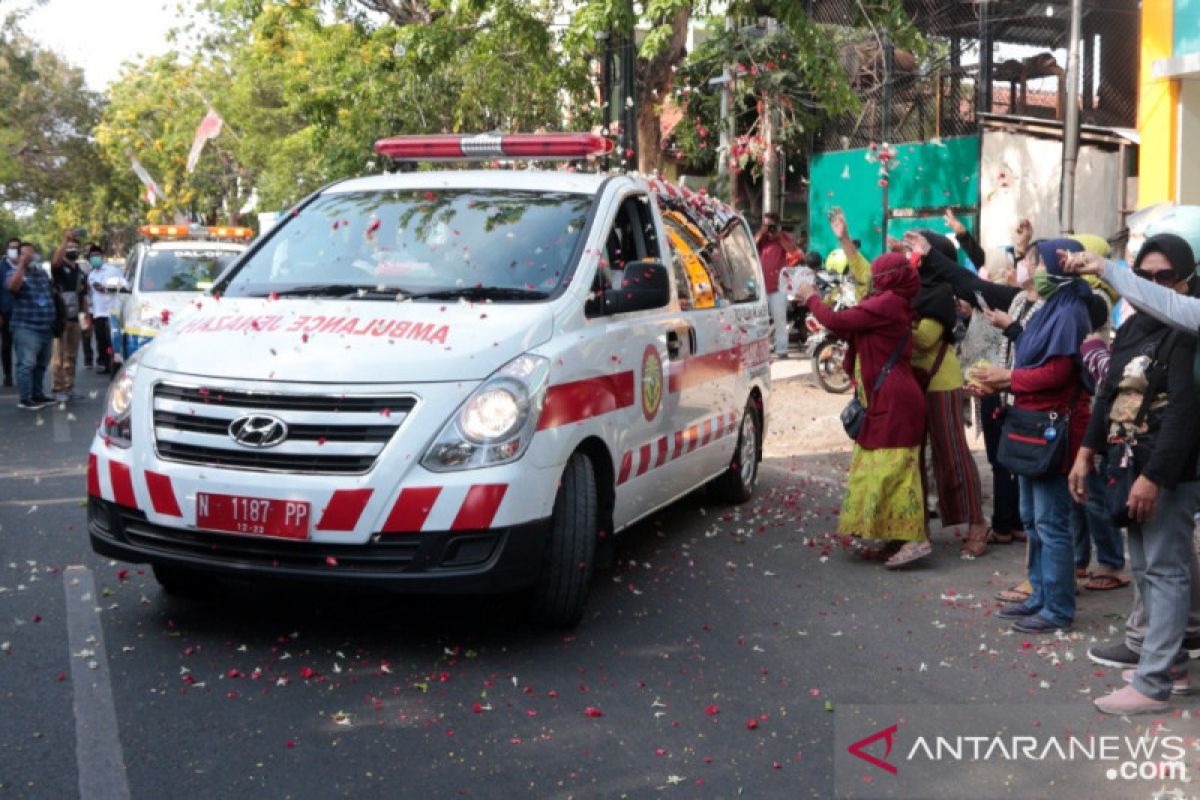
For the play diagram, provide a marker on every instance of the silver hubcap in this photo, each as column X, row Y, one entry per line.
column 749, row 453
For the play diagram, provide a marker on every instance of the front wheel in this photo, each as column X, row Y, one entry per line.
column 736, row 484
column 561, row 590
column 828, row 366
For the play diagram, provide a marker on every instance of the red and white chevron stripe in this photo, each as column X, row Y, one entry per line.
column 660, row 451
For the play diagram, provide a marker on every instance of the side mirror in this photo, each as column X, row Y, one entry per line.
column 644, row 285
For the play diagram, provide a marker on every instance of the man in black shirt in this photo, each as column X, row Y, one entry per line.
column 67, row 278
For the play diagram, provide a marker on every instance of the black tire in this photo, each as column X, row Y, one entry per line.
column 827, row 367
column 180, row 581
column 736, row 484
column 561, row 590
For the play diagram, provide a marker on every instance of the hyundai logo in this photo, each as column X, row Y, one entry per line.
column 258, row 430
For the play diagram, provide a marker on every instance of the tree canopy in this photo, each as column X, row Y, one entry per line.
column 305, row 87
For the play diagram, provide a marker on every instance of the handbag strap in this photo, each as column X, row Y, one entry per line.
column 937, row 362
column 1152, row 385
column 891, row 362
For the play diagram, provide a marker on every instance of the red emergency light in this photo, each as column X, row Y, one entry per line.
column 489, row 146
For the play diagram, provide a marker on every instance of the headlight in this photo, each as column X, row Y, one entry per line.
column 496, row 423
column 492, row 414
column 117, row 426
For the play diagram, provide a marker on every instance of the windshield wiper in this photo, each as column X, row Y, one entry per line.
column 482, row 293
column 317, row 290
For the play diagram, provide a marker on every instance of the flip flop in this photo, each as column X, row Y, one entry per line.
column 910, row 552
column 1015, row 594
column 1105, row 582
column 996, row 537
column 1082, row 572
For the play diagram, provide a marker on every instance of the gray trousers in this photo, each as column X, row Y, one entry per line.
column 1162, row 557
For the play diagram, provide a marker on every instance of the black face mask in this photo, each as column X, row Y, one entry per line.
column 72, row 255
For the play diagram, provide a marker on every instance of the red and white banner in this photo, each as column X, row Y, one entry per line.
column 153, row 193
column 209, row 128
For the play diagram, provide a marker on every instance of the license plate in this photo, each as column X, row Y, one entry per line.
column 256, row 516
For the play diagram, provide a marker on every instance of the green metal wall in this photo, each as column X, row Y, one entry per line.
column 930, row 177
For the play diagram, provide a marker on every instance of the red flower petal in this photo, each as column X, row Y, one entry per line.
column 713, row 709
column 592, row 711
column 751, row 724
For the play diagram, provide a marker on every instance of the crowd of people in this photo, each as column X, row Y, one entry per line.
column 51, row 311
column 1087, row 433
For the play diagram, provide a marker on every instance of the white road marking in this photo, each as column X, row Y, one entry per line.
column 78, row 500
column 98, row 752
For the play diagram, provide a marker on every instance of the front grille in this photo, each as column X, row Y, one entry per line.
column 386, row 555
column 327, row 434
column 273, row 402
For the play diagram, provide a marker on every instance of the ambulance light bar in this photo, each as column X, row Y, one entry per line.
column 489, row 146
column 195, row 232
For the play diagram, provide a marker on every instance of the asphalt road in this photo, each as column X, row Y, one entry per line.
column 716, row 657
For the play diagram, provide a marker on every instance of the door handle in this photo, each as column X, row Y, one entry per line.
column 675, row 342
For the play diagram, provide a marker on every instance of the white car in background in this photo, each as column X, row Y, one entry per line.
column 165, row 273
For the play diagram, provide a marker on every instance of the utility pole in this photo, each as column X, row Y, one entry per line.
column 726, row 133
column 1070, row 154
column 772, row 202
column 983, row 90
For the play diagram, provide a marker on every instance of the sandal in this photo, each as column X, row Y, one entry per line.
column 996, row 537
column 1106, row 581
column 1082, row 572
column 976, row 544
column 1016, row 594
column 910, row 552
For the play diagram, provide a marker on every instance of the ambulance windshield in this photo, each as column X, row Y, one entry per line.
column 173, row 270
column 422, row 243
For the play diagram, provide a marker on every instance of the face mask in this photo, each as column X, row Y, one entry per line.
column 1045, row 284
column 12, row 254
column 1022, row 274
column 72, row 255
column 95, row 261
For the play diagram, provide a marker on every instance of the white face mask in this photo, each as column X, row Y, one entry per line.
column 12, row 254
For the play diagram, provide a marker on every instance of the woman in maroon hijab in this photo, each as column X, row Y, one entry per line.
column 884, row 500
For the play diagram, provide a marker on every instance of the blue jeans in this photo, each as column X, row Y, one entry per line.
column 33, row 357
column 1090, row 523
column 1046, row 512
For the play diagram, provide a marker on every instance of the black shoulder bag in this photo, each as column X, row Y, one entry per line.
column 1034, row 444
column 855, row 413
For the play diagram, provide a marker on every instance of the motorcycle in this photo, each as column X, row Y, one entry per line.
column 829, row 351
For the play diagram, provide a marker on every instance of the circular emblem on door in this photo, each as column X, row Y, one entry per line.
column 258, row 430
column 652, row 382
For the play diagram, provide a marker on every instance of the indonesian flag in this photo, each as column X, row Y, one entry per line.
column 153, row 193
column 209, row 128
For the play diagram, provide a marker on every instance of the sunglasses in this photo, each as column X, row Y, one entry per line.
column 1166, row 277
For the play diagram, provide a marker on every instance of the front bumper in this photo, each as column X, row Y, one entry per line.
column 460, row 562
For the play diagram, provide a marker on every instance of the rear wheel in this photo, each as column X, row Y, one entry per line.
column 561, row 590
column 179, row 581
column 736, row 484
column 828, row 367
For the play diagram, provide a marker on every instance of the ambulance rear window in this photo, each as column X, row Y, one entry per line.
column 421, row 241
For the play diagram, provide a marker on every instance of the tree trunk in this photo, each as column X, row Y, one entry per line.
column 654, row 78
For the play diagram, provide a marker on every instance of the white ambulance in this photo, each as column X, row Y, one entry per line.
column 165, row 272
column 447, row 380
